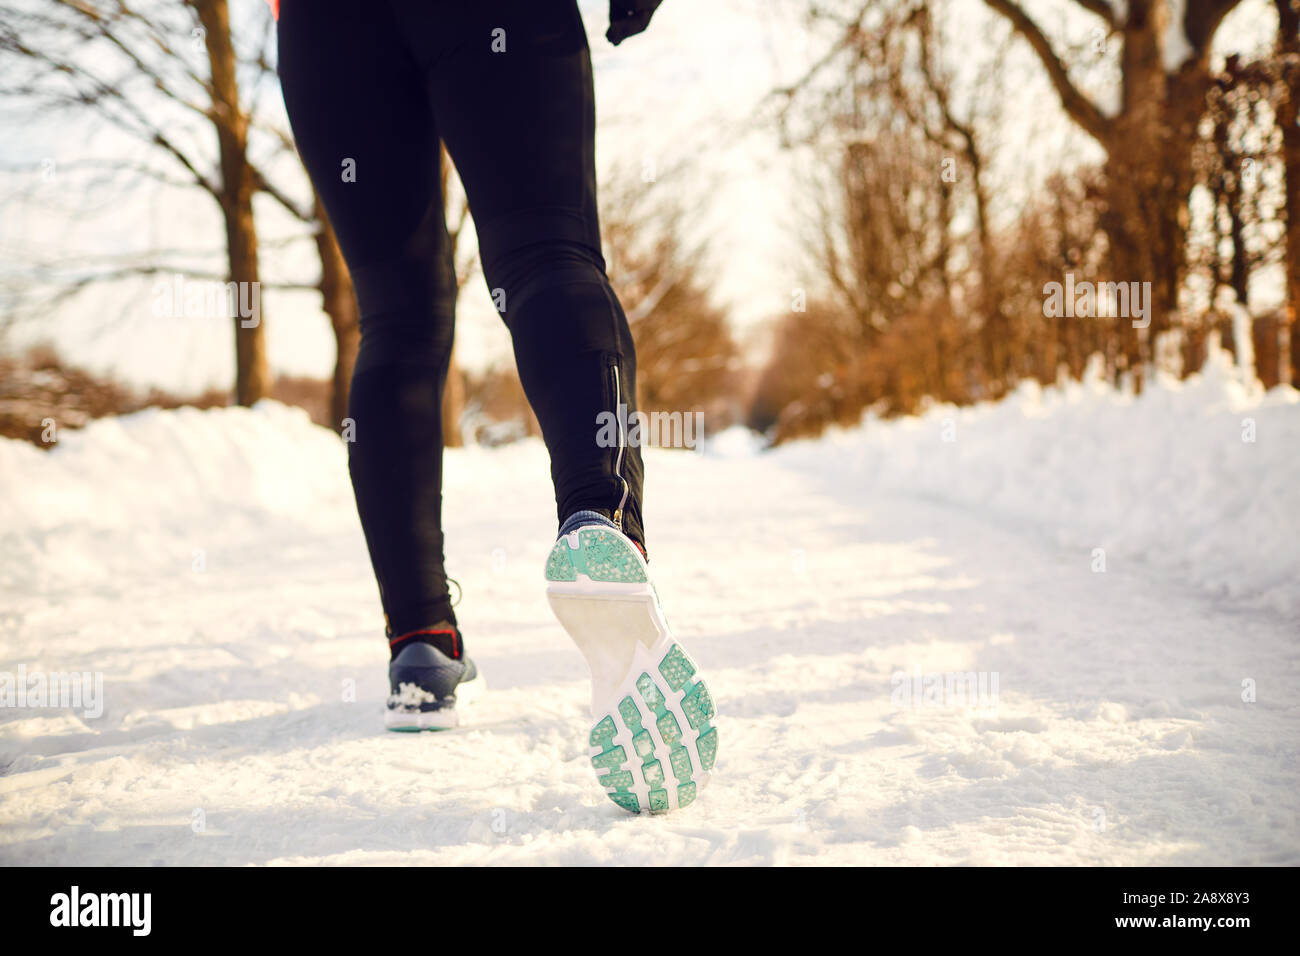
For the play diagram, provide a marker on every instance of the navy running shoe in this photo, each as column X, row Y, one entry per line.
column 430, row 677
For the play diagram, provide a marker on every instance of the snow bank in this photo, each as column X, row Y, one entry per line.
column 156, row 467
column 154, row 487
column 1197, row 477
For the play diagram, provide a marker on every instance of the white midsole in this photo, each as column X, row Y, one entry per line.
column 613, row 631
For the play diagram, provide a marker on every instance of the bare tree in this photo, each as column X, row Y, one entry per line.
column 234, row 191
column 902, row 236
column 149, row 57
column 1149, row 139
column 155, row 76
column 152, row 45
column 686, row 356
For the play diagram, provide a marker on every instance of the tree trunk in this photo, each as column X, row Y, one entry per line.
column 453, row 393
column 1150, row 174
column 1288, row 14
column 1226, row 191
column 453, row 405
column 252, row 373
column 1133, row 173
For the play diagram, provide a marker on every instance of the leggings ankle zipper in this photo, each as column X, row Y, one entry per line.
column 622, row 443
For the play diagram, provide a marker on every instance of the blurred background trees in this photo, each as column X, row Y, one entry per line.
column 928, row 279
column 687, row 359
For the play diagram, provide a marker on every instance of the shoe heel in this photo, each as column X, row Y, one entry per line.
column 598, row 555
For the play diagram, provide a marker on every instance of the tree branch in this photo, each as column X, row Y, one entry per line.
column 1101, row 8
column 1202, row 20
column 1079, row 108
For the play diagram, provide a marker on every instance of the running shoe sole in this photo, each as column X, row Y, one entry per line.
column 652, row 743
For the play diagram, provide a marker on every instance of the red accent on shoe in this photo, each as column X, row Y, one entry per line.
column 455, row 637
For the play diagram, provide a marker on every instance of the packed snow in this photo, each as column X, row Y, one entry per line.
column 1117, row 575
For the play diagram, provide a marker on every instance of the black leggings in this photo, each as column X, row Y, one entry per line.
column 371, row 86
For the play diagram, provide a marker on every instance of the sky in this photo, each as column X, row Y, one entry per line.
column 684, row 93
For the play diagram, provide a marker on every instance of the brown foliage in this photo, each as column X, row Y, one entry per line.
column 687, row 359
column 37, row 385
column 922, row 296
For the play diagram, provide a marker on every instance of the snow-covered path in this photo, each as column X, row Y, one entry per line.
column 799, row 580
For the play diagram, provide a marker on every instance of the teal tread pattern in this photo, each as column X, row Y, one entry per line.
column 708, row 748
column 698, row 705
column 559, row 566
column 615, row 764
column 676, row 668
column 602, row 555
column 627, row 801
column 603, row 734
column 610, row 759
column 645, row 686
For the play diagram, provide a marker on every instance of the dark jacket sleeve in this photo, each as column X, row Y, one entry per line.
column 628, row 18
